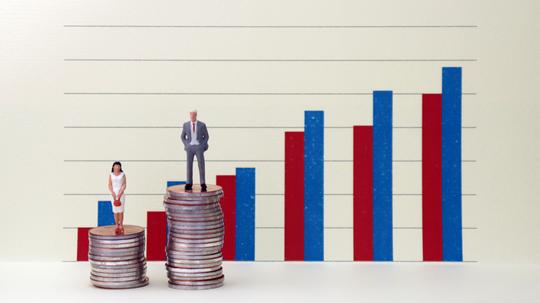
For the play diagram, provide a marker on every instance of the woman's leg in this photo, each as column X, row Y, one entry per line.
column 121, row 220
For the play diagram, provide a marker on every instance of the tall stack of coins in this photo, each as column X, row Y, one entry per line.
column 117, row 261
column 195, row 240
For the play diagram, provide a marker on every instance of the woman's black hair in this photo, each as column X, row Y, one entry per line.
column 116, row 163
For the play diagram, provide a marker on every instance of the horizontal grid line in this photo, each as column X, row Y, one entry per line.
column 261, row 60
column 257, row 194
column 249, row 93
column 235, row 161
column 253, row 26
column 228, row 127
column 336, row 261
column 325, row 227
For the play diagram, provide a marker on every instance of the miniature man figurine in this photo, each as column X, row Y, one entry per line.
column 195, row 139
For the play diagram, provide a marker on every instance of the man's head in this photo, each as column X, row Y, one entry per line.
column 193, row 115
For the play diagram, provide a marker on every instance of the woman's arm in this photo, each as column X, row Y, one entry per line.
column 123, row 187
column 110, row 188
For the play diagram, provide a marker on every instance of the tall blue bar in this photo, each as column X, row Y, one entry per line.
column 314, row 186
column 245, row 214
column 451, row 164
column 105, row 213
column 382, row 176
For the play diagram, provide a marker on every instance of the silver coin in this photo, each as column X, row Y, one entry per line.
column 116, row 271
column 220, row 233
column 197, row 261
column 196, row 231
column 127, row 262
column 194, row 266
column 197, row 282
column 175, row 210
column 213, row 218
column 201, row 250
column 116, row 238
column 133, row 254
column 115, row 258
column 196, row 191
column 196, row 218
column 197, row 226
column 117, row 246
column 182, row 215
column 139, row 273
column 190, row 201
column 117, row 279
column 196, row 241
column 115, row 242
column 195, row 275
column 188, row 256
column 115, row 252
column 120, row 285
column 118, row 268
column 190, row 270
column 182, row 245
column 176, row 201
column 202, row 287
column 211, row 275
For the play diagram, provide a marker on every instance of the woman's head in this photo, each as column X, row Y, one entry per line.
column 116, row 167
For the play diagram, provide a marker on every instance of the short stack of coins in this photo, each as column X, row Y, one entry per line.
column 117, row 261
column 195, row 239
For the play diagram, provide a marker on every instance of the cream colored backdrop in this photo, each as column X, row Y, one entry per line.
column 57, row 141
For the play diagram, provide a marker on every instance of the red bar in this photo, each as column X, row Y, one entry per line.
column 228, row 206
column 156, row 235
column 294, row 196
column 432, row 177
column 363, row 192
column 82, row 243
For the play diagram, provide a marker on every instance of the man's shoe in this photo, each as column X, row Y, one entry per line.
column 203, row 187
column 188, row 187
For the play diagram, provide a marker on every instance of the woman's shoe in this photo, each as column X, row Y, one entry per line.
column 122, row 230
column 117, row 230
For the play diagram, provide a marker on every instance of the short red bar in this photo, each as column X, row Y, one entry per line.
column 294, row 196
column 156, row 234
column 363, row 192
column 228, row 206
column 82, row 243
column 432, row 177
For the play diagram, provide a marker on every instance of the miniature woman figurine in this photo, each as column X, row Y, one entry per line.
column 117, row 186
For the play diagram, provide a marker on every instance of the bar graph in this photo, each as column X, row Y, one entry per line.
column 372, row 187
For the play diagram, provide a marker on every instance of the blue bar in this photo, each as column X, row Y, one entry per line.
column 173, row 183
column 314, row 186
column 451, row 164
column 105, row 213
column 382, row 176
column 245, row 214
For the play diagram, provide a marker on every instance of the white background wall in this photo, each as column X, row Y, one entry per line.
column 48, row 186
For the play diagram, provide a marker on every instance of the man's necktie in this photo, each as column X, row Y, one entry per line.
column 193, row 123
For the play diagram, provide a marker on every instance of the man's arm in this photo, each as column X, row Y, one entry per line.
column 183, row 135
column 205, row 133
